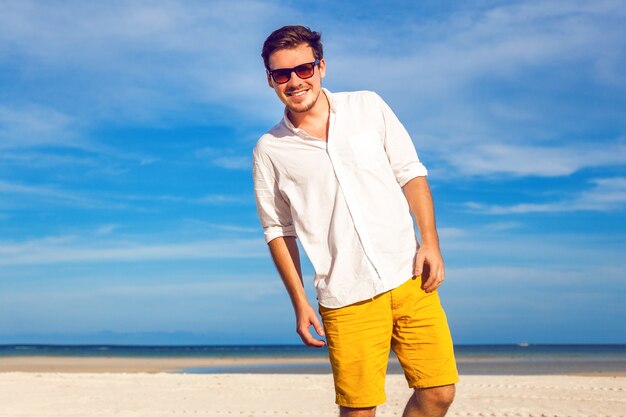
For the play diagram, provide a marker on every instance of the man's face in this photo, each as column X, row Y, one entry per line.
column 298, row 95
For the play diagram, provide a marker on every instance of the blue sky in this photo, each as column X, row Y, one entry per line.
column 126, row 128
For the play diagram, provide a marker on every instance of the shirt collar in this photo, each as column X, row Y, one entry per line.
column 300, row 132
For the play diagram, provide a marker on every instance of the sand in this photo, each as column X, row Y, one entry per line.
column 111, row 392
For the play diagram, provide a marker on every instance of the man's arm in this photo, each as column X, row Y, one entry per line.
column 286, row 257
column 428, row 262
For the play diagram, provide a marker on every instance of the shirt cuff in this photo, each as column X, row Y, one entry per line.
column 273, row 232
column 411, row 171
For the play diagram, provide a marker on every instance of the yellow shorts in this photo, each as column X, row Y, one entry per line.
column 405, row 319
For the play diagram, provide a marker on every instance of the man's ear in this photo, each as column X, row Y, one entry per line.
column 269, row 80
column 322, row 66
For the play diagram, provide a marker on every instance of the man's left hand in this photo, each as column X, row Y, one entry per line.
column 429, row 264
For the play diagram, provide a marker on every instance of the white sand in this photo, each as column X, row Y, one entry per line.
column 34, row 394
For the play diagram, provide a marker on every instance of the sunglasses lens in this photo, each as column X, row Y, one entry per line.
column 281, row 76
column 305, row 71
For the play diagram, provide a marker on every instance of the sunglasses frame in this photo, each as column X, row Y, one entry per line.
column 293, row 70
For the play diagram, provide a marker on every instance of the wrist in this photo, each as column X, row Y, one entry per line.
column 430, row 243
column 301, row 305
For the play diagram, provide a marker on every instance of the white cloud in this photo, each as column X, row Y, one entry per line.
column 499, row 89
column 222, row 199
column 23, row 195
column 225, row 158
column 70, row 249
column 195, row 224
column 234, row 162
column 50, row 195
column 39, row 159
column 36, row 125
column 607, row 194
column 211, row 287
column 143, row 61
column 503, row 41
column 480, row 246
column 149, row 61
column 450, row 232
column 106, row 229
column 544, row 276
column 502, row 226
column 517, row 160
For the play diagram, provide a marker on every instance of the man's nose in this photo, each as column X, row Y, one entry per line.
column 294, row 80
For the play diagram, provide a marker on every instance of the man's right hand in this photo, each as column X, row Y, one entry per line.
column 305, row 318
column 284, row 251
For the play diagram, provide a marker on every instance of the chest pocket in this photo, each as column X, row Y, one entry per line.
column 367, row 149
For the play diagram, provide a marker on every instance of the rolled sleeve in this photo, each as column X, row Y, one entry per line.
column 274, row 211
column 399, row 147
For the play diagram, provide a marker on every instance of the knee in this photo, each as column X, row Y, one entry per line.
column 440, row 397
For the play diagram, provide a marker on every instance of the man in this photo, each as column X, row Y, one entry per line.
column 341, row 173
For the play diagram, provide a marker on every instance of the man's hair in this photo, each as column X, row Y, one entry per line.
column 289, row 37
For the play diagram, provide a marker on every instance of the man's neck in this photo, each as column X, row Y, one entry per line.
column 314, row 121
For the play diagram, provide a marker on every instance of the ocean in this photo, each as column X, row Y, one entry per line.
column 523, row 359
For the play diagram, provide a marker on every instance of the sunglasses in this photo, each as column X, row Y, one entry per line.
column 303, row 71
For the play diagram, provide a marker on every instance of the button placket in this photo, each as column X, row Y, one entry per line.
column 340, row 174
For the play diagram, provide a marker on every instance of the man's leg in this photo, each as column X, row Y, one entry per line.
column 358, row 338
column 422, row 342
column 357, row 412
column 425, row 402
column 429, row 402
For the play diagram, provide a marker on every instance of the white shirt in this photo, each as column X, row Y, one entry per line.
column 342, row 197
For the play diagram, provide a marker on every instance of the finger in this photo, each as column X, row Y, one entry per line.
column 305, row 335
column 319, row 328
column 435, row 279
column 426, row 275
column 430, row 284
column 430, row 279
column 317, row 343
column 308, row 339
column 419, row 264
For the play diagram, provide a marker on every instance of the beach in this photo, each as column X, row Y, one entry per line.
column 33, row 386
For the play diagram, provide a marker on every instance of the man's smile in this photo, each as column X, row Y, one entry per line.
column 298, row 93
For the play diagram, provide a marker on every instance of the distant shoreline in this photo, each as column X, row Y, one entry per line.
column 526, row 359
column 478, row 350
column 495, row 365
column 93, row 364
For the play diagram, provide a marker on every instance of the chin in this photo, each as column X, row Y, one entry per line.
column 301, row 108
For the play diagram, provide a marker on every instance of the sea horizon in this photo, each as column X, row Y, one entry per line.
column 168, row 350
column 511, row 359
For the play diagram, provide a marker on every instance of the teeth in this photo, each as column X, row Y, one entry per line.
column 299, row 93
